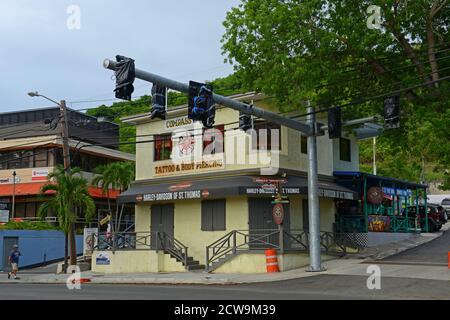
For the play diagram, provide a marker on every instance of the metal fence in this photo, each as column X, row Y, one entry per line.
column 290, row 241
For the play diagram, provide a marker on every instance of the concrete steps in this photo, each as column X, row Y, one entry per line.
column 191, row 265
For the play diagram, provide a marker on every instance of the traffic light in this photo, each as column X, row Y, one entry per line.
column 210, row 118
column 201, row 104
column 125, row 75
column 392, row 112
column 245, row 122
column 335, row 123
column 158, row 102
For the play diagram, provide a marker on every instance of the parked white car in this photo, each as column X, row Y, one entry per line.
column 442, row 200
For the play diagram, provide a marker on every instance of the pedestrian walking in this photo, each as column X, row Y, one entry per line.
column 13, row 259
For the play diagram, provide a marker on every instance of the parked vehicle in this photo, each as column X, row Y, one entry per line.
column 443, row 216
column 434, row 217
column 440, row 199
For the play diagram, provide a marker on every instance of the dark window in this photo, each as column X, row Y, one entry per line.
column 31, row 210
column 20, row 210
column 345, row 150
column 305, row 207
column 41, row 158
column 214, row 215
column 264, row 133
column 163, row 147
column 304, row 145
column 446, row 202
column 214, row 138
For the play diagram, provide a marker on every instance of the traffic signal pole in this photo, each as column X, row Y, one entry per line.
column 313, row 198
column 309, row 129
column 227, row 102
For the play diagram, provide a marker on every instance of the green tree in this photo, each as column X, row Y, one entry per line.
column 323, row 51
column 71, row 196
column 117, row 176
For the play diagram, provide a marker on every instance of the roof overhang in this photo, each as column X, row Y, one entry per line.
column 209, row 188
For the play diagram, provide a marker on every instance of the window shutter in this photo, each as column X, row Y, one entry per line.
column 207, row 216
column 219, row 217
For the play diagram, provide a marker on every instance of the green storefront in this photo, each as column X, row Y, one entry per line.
column 386, row 205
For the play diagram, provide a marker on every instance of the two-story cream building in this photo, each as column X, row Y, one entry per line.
column 204, row 197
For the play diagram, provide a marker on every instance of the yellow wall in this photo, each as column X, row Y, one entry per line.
column 327, row 212
column 290, row 154
column 188, row 224
column 137, row 261
column 256, row 263
column 244, row 263
column 144, row 261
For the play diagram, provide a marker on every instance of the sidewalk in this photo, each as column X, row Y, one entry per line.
column 350, row 265
column 384, row 251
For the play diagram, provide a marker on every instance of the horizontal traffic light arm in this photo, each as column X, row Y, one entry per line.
column 233, row 104
column 356, row 122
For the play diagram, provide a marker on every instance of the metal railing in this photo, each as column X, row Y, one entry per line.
column 109, row 241
column 157, row 241
column 240, row 240
column 293, row 241
column 173, row 246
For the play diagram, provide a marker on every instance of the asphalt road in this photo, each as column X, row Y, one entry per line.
column 317, row 287
column 431, row 253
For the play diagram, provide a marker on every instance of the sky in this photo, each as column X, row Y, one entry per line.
column 39, row 52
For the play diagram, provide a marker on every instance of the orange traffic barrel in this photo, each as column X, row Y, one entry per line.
column 272, row 261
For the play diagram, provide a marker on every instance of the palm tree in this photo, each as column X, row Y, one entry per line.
column 71, row 195
column 117, row 176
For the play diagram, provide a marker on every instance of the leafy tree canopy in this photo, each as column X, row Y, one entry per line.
column 324, row 51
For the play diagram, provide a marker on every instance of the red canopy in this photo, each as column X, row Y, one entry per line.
column 33, row 189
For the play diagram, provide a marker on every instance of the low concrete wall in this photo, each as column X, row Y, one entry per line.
column 382, row 238
column 37, row 247
column 137, row 261
column 244, row 263
column 256, row 263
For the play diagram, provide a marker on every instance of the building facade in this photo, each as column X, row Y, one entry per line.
column 31, row 148
column 204, row 197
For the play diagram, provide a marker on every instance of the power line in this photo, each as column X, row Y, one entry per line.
column 382, row 58
column 363, row 100
column 391, row 87
column 385, row 72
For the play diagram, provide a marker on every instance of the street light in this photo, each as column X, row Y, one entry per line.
column 66, row 154
column 36, row 94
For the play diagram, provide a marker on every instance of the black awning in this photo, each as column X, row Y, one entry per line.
column 230, row 186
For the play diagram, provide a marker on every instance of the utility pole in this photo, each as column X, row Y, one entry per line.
column 375, row 156
column 65, row 136
column 13, row 208
column 68, row 170
column 313, row 197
